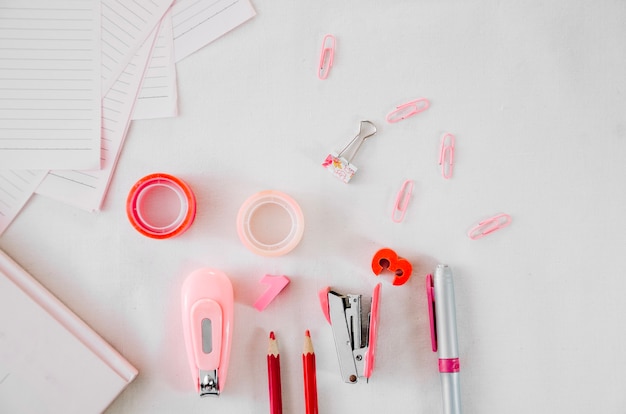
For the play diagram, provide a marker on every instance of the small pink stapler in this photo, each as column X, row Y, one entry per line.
column 207, row 304
column 354, row 321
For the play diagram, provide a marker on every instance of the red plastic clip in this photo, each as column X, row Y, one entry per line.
column 388, row 259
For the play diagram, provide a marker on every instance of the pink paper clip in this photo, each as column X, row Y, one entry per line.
column 489, row 225
column 402, row 200
column 326, row 56
column 408, row 109
column 446, row 155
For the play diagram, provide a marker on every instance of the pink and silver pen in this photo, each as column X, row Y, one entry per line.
column 440, row 291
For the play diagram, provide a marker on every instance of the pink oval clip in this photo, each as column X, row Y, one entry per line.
column 446, row 155
column 488, row 226
column 402, row 200
column 408, row 109
column 326, row 56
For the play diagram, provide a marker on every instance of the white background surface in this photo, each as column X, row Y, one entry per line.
column 534, row 92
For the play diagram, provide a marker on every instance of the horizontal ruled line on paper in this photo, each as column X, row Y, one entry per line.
column 40, row 148
column 71, row 180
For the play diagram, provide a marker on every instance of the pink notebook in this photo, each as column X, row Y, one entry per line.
column 50, row 360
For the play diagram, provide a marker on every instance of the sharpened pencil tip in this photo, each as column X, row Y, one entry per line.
column 307, row 333
column 272, row 336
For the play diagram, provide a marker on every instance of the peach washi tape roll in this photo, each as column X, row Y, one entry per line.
column 161, row 206
column 270, row 223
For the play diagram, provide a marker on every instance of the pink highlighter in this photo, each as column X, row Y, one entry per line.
column 207, row 305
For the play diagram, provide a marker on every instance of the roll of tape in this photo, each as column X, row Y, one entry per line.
column 161, row 206
column 262, row 223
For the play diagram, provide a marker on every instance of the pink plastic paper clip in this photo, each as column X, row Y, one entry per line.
column 326, row 56
column 446, row 155
column 207, row 307
column 488, row 226
column 408, row 109
column 277, row 284
column 402, row 200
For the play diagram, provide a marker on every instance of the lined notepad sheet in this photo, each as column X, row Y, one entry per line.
column 50, row 360
column 125, row 27
column 16, row 188
column 199, row 22
column 49, row 84
column 86, row 189
column 158, row 97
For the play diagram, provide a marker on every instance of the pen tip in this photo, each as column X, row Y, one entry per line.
column 307, row 333
column 272, row 336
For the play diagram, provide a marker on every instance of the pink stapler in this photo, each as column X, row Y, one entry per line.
column 207, row 304
column 354, row 321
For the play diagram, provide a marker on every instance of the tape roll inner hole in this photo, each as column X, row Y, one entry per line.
column 161, row 207
column 271, row 224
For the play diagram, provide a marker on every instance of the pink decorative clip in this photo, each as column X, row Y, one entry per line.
column 488, row 226
column 341, row 167
column 402, row 200
column 407, row 110
column 446, row 155
column 326, row 56
column 277, row 284
column 207, row 309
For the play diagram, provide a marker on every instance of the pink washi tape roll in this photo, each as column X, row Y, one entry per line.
column 270, row 223
column 161, row 206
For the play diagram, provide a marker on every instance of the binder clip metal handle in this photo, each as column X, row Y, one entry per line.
column 363, row 135
column 340, row 164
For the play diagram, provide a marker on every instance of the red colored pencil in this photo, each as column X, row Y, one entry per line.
column 273, row 376
column 310, row 381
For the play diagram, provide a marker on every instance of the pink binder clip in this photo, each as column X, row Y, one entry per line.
column 207, row 305
column 489, row 225
column 326, row 56
column 407, row 110
column 337, row 163
column 446, row 155
column 402, row 200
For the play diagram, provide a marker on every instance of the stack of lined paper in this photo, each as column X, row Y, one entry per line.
column 74, row 73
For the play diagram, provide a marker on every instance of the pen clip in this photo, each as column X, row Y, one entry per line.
column 430, row 294
column 402, row 200
column 489, row 225
column 408, row 109
column 326, row 56
column 446, row 155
